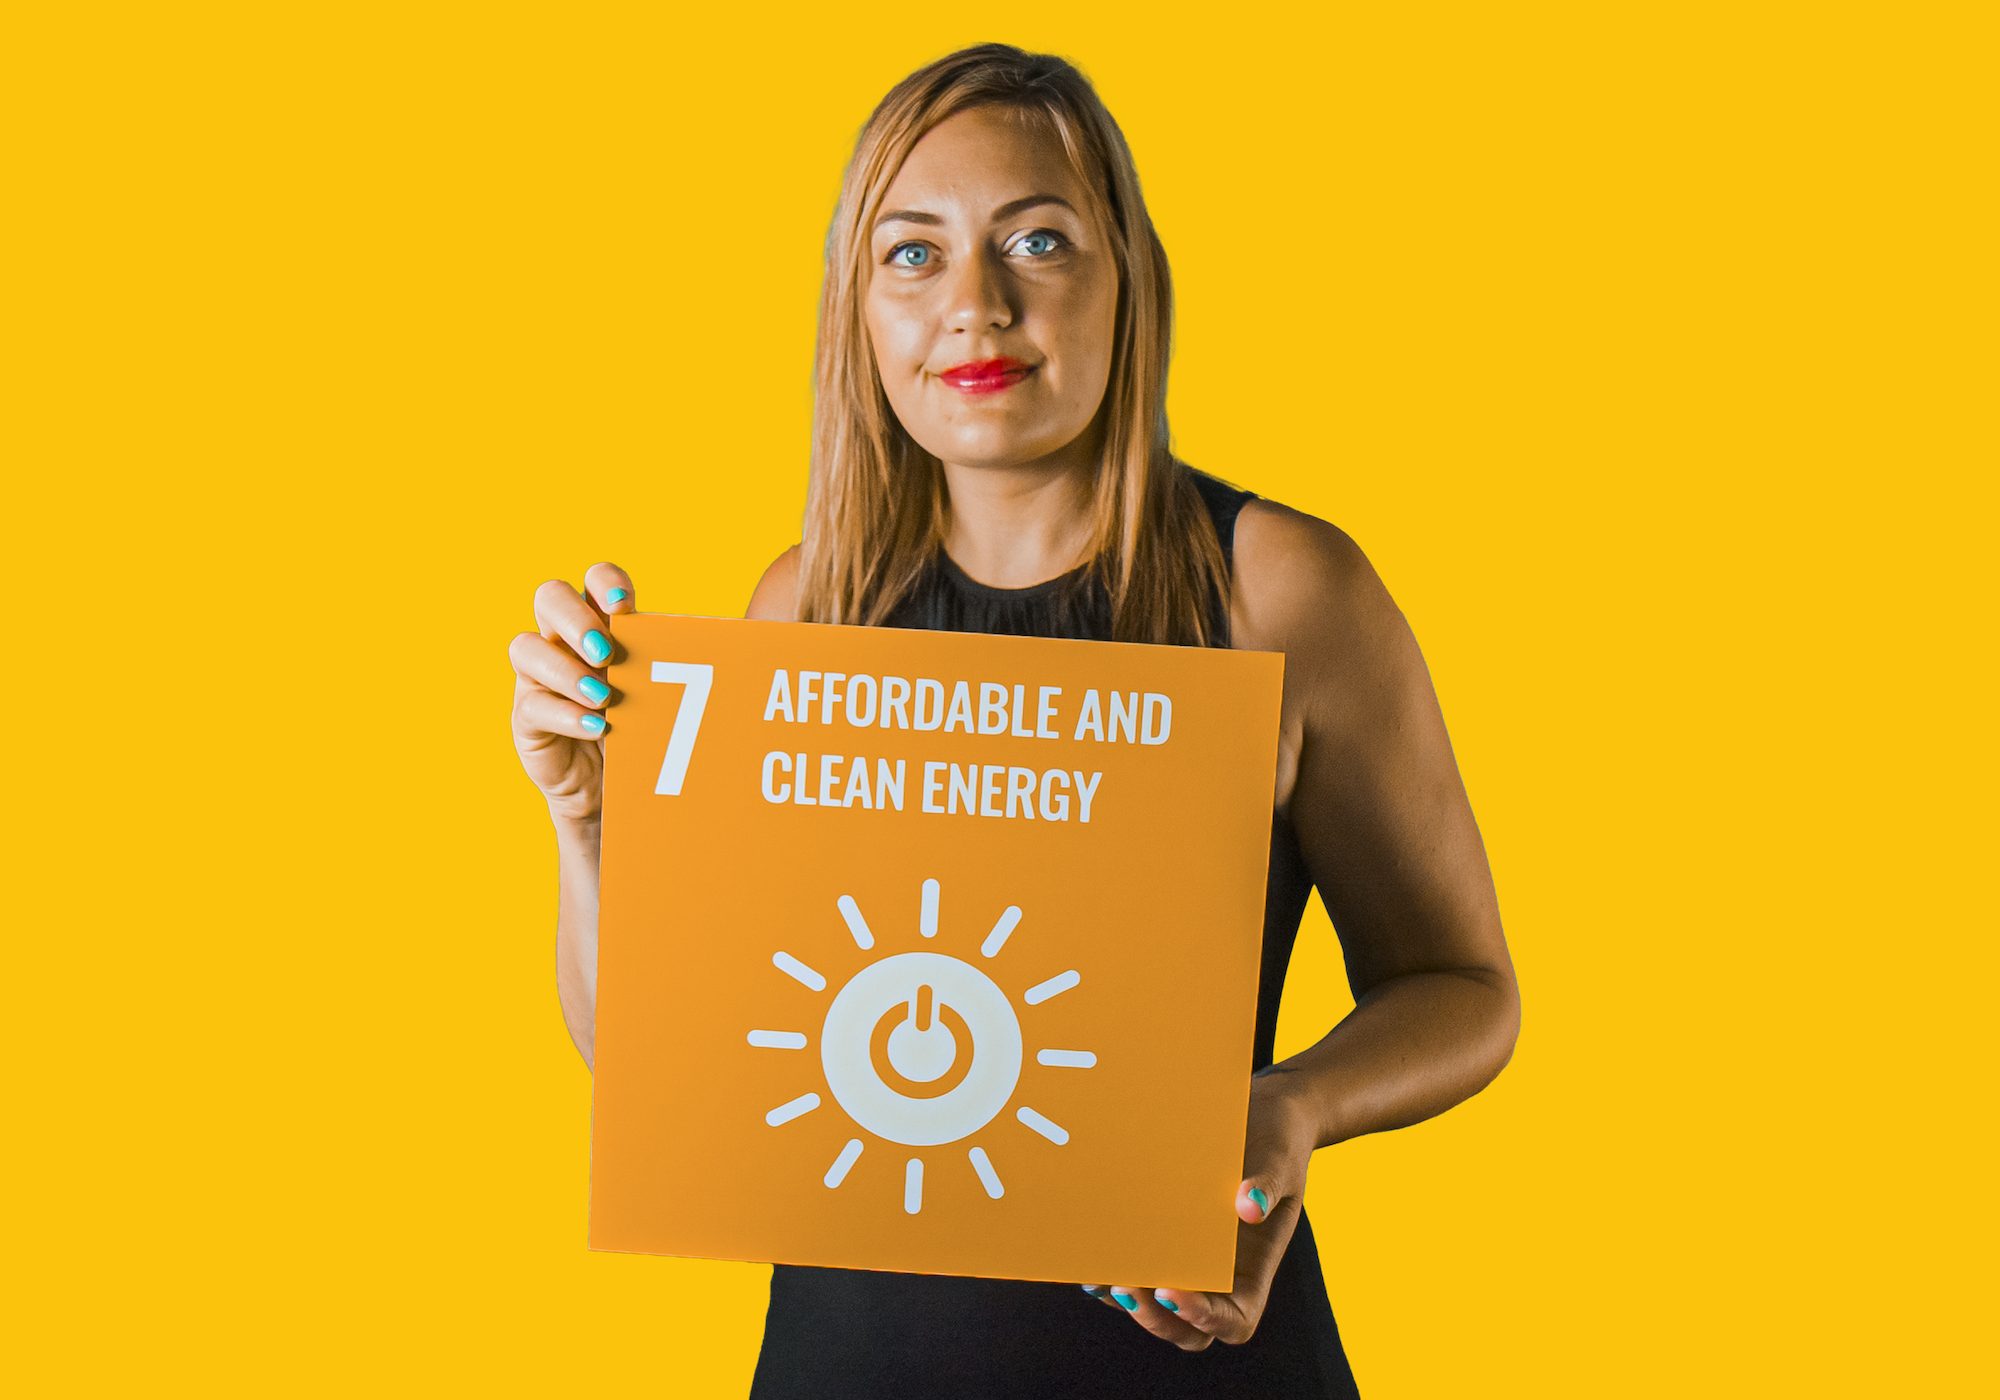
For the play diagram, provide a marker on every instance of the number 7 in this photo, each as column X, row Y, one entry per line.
column 697, row 676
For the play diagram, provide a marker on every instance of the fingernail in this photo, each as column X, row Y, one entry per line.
column 1125, row 1300
column 1095, row 1290
column 594, row 689
column 1263, row 1201
column 593, row 725
column 1169, row 1304
column 616, row 596
column 596, row 646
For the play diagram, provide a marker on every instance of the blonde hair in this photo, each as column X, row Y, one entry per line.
column 876, row 502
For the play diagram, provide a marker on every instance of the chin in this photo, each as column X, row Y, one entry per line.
column 994, row 456
column 988, row 448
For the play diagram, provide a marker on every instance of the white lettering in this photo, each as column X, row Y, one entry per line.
column 857, row 793
column 1020, row 788
column 960, row 715
column 1090, row 719
column 1084, row 793
column 989, row 789
column 889, row 784
column 786, row 780
column 896, row 702
column 992, row 707
column 1124, row 717
column 1008, row 792
column 857, row 716
column 779, row 706
column 1055, row 807
column 930, row 704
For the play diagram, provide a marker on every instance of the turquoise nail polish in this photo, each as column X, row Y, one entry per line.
column 593, row 725
column 616, row 596
column 1094, row 1290
column 1125, row 1301
column 596, row 646
column 1166, row 1303
column 1263, row 1201
column 594, row 688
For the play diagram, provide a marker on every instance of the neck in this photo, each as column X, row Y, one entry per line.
column 1014, row 526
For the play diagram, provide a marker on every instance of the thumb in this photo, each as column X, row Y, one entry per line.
column 1257, row 1197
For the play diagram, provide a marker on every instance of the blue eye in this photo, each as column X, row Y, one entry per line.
column 918, row 248
column 1054, row 239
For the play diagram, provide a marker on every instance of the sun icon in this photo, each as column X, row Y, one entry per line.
column 921, row 1048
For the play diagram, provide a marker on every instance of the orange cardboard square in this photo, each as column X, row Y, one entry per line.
column 928, row 951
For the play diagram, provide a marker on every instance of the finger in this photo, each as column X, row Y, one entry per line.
column 609, row 589
column 1232, row 1317
column 1160, row 1321
column 555, row 668
column 562, row 614
column 1256, row 1198
column 1222, row 1316
column 542, row 712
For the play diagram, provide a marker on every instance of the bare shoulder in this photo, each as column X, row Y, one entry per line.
column 776, row 597
column 1303, row 583
column 1302, row 586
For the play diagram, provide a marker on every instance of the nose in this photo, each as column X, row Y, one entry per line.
column 977, row 295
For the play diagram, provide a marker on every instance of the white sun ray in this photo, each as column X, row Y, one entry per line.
column 783, row 1040
column 1054, row 1132
column 927, row 919
column 1056, row 985
column 913, row 1186
column 856, row 925
column 997, row 939
column 1067, row 1059
column 849, row 1154
column 987, row 1176
column 792, row 967
column 786, row 1112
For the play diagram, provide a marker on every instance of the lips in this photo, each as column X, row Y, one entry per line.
column 986, row 376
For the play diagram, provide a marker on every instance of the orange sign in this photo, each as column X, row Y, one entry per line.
column 929, row 951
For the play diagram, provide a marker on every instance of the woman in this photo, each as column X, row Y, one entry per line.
column 990, row 454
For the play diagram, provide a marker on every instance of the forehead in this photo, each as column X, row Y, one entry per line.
column 975, row 160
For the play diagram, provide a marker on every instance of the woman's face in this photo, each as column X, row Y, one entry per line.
column 985, row 251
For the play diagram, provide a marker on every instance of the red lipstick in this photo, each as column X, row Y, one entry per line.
column 986, row 376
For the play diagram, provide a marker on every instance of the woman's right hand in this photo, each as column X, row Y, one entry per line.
column 559, row 689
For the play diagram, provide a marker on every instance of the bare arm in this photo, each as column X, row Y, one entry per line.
column 577, row 847
column 1367, row 778
column 579, row 841
column 1388, row 835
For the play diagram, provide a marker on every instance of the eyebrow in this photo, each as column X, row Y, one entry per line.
column 1007, row 210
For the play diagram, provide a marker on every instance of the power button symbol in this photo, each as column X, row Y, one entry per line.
column 921, row 1049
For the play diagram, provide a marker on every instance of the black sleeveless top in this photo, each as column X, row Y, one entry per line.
column 831, row 1334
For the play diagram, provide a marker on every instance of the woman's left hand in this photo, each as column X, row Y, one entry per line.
column 1277, row 1149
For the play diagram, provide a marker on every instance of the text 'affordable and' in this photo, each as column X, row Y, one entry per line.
column 965, row 707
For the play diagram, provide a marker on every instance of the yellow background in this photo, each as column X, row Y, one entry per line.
column 1647, row 351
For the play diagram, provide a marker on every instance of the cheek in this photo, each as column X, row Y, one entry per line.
column 1107, row 317
column 897, row 338
column 1089, row 321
